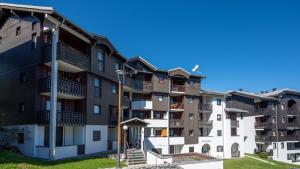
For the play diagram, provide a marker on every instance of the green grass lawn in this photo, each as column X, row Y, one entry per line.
column 15, row 161
column 248, row 163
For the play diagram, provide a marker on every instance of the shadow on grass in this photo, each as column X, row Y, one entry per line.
column 9, row 158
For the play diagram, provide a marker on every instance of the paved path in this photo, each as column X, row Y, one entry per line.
column 265, row 161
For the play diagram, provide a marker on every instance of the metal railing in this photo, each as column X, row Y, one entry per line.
column 62, row 118
column 176, row 122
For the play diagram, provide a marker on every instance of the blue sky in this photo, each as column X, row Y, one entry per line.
column 254, row 45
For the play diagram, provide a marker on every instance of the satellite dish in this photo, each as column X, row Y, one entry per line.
column 196, row 68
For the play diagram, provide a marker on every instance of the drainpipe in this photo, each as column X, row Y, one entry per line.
column 223, row 125
column 277, row 139
column 53, row 97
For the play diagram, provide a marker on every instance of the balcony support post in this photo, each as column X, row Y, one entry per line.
column 54, row 70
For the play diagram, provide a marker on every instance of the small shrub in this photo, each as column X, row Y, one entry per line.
column 263, row 155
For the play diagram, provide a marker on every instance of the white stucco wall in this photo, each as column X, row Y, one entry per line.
column 95, row 146
column 249, row 132
column 280, row 154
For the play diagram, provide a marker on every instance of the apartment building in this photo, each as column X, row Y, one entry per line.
column 86, row 83
column 272, row 122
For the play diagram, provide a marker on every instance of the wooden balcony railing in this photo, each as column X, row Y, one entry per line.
column 292, row 111
column 263, row 138
column 292, row 125
column 264, row 111
column 144, row 85
column 265, row 125
column 177, row 105
column 62, row 118
column 205, row 124
column 205, row 108
column 69, row 55
column 67, row 87
column 177, row 88
column 125, row 101
column 176, row 123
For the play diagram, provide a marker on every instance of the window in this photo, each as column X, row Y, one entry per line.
column 160, row 98
column 274, row 146
column 191, row 149
column 219, row 148
column 97, row 88
column 21, row 107
column 18, row 31
column 219, row 117
column 100, row 57
column 34, row 40
column 191, row 116
column 157, row 133
column 233, row 132
column 273, row 120
column 283, row 120
column 274, row 133
column 34, row 25
column 23, row 78
column 191, row 132
column 161, row 80
column 191, row 82
column 96, row 135
column 114, row 89
column 21, row 138
column 219, row 101
column 190, row 100
column 118, row 66
column 157, row 115
column 97, row 109
column 0, row 39
column 219, row 132
column 282, row 145
column 281, row 133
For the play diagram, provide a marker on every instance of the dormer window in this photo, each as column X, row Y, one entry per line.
column 100, row 57
column 18, row 31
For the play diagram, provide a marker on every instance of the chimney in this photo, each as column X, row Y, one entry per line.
column 274, row 89
column 241, row 89
column 262, row 92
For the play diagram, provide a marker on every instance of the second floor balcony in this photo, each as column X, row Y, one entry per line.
column 63, row 118
column 292, row 112
column 176, row 123
column 69, row 58
column 234, row 123
column 177, row 106
column 205, row 108
column 263, row 125
column 141, row 105
column 205, row 124
column 66, row 89
column 177, row 88
column 264, row 111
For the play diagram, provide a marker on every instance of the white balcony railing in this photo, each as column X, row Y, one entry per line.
column 141, row 105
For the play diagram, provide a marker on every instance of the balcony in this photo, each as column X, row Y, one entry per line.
column 176, row 123
column 292, row 112
column 264, row 112
column 263, row 138
column 205, row 108
column 263, row 126
column 177, row 106
column 292, row 125
column 141, row 105
column 66, row 89
column 234, row 124
column 62, row 118
column 205, row 124
column 69, row 59
column 177, row 88
column 125, row 102
column 143, row 86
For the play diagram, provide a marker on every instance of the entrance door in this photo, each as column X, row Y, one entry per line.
column 59, row 136
column 235, row 150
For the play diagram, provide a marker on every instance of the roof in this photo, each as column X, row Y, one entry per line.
column 180, row 68
column 139, row 58
column 253, row 95
column 134, row 122
column 235, row 110
column 279, row 92
column 42, row 9
column 211, row 92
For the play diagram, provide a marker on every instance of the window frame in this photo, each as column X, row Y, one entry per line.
column 219, row 102
column 95, row 135
column 101, row 61
column 98, row 91
column 219, row 117
column 99, row 109
column 21, row 138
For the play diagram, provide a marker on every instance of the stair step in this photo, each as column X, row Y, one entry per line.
column 139, row 162
column 136, row 159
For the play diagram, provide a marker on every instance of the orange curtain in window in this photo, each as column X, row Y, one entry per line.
column 164, row 133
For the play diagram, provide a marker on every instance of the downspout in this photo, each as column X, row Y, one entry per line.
column 53, row 97
column 223, row 125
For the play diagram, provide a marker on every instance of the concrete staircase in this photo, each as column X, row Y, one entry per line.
column 135, row 157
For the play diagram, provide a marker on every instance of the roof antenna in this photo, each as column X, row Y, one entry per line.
column 196, row 69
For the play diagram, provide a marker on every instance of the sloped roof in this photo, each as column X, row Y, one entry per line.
column 211, row 92
column 134, row 122
column 252, row 95
column 235, row 110
column 141, row 59
column 280, row 91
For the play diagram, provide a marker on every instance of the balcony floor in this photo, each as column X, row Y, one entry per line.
column 63, row 96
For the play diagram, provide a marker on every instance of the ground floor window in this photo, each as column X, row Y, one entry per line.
column 21, row 138
column 96, row 135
